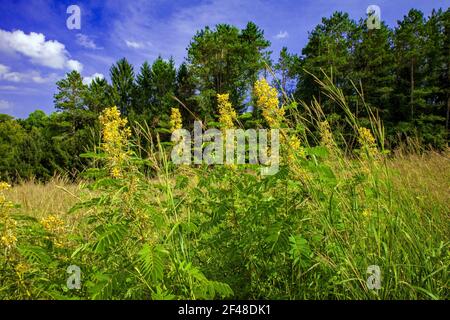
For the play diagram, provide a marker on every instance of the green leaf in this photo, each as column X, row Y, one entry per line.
column 34, row 254
column 108, row 237
column 151, row 262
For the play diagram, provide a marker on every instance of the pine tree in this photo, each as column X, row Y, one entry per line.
column 163, row 85
column 286, row 72
column 97, row 97
column 373, row 64
column 71, row 92
column 123, row 87
column 145, row 91
column 226, row 60
column 410, row 59
column 328, row 50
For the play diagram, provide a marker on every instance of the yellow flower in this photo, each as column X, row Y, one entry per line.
column 326, row 137
column 56, row 226
column 365, row 136
column 176, row 121
column 9, row 239
column 367, row 142
column 267, row 101
column 227, row 114
column 53, row 224
column 294, row 149
column 115, row 134
column 4, row 186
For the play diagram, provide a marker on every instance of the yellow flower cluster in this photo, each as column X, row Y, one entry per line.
column 8, row 237
column 267, row 101
column 367, row 141
column 326, row 137
column 294, row 149
column 227, row 114
column 4, row 186
column 176, row 122
column 54, row 225
column 115, row 134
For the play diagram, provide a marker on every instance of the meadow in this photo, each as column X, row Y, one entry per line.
column 310, row 231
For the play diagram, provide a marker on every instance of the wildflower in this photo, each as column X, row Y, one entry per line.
column 227, row 114
column 9, row 239
column 294, row 149
column 176, row 122
column 115, row 134
column 56, row 226
column 326, row 137
column 4, row 186
column 53, row 224
column 367, row 141
column 267, row 100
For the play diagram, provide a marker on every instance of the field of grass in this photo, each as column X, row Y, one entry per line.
column 310, row 231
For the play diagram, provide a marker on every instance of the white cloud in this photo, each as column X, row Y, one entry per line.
column 282, row 35
column 87, row 80
column 48, row 53
column 5, row 105
column 85, row 41
column 6, row 74
column 74, row 65
column 134, row 44
column 32, row 76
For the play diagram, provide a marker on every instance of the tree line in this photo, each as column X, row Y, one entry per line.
column 402, row 73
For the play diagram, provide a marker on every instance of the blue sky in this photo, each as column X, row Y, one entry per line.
column 37, row 49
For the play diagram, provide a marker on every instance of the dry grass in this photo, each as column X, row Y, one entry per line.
column 40, row 200
column 426, row 176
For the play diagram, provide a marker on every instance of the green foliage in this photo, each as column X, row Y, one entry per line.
column 226, row 60
column 123, row 87
column 157, row 231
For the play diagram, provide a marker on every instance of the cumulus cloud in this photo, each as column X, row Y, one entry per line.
column 33, row 76
column 48, row 53
column 282, row 35
column 85, row 41
column 5, row 105
column 88, row 79
column 74, row 65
